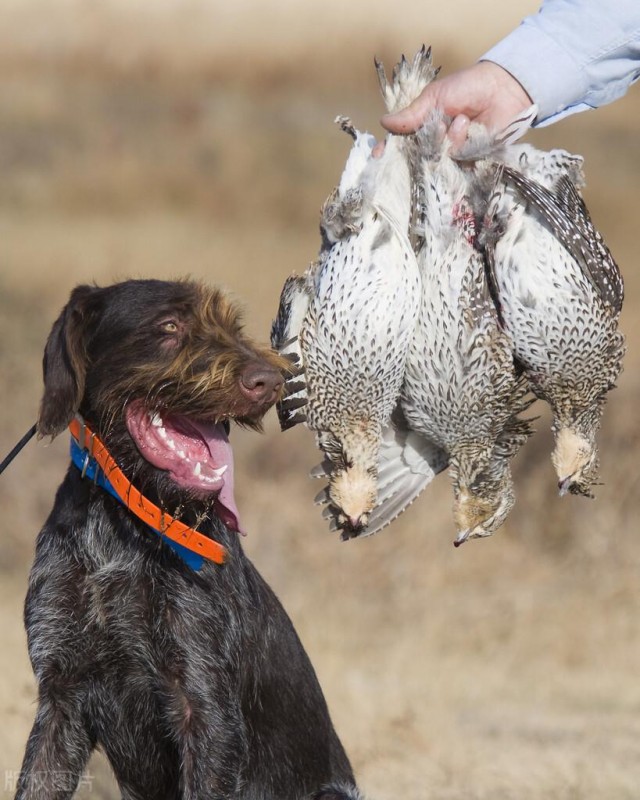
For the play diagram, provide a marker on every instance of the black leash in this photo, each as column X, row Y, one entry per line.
column 28, row 435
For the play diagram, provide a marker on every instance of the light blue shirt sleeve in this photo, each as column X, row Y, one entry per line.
column 573, row 55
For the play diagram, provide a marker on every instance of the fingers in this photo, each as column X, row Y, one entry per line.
column 484, row 93
column 458, row 131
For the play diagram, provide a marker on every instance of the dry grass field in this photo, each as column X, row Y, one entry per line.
column 174, row 139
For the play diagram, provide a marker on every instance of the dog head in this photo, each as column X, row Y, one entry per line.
column 159, row 369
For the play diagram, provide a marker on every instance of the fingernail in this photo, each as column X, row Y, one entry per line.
column 459, row 125
column 457, row 132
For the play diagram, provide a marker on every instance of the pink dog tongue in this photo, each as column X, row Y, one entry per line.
column 221, row 453
column 197, row 455
column 226, row 505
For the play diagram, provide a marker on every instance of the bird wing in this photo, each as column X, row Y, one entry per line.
column 407, row 463
column 565, row 212
column 285, row 333
column 489, row 252
column 518, row 126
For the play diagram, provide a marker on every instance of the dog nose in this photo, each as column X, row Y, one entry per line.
column 260, row 384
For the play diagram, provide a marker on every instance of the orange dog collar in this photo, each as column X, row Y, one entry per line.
column 93, row 448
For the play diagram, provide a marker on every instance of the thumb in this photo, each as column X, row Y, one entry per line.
column 409, row 119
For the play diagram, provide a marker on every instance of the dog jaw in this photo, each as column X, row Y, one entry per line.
column 196, row 454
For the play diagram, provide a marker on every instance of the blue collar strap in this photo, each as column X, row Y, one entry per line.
column 89, row 468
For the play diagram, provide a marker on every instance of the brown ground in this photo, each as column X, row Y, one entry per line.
column 505, row 670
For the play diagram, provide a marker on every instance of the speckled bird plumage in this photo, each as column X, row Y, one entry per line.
column 448, row 287
column 560, row 298
column 461, row 390
column 360, row 301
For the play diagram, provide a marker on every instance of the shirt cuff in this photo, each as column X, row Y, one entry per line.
column 547, row 73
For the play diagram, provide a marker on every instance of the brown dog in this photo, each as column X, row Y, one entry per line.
column 150, row 633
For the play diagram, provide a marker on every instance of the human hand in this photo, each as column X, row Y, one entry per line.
column 484, row 93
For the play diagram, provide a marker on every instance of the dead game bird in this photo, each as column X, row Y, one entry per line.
column 407, row 463
column 560, row 294
column 461, row 390
column 349, row 321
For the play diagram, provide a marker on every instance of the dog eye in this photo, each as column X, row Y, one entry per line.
column 169, row 326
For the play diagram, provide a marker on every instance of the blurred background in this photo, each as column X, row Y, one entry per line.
column 194, row 137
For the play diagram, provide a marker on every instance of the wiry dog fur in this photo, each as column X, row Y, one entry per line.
column 193, row 683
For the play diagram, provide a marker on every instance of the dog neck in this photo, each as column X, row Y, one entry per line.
column 91, row 457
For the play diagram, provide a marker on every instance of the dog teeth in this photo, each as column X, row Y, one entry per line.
column 181, row 454
column 156, row 421
column 212, row 476
column 170, row 443
column 162, row 433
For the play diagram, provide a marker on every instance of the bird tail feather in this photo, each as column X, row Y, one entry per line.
column 408, row 79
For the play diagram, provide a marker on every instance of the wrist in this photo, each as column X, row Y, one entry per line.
column 506, row 85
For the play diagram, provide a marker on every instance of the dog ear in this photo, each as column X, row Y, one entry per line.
column 64, row 364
